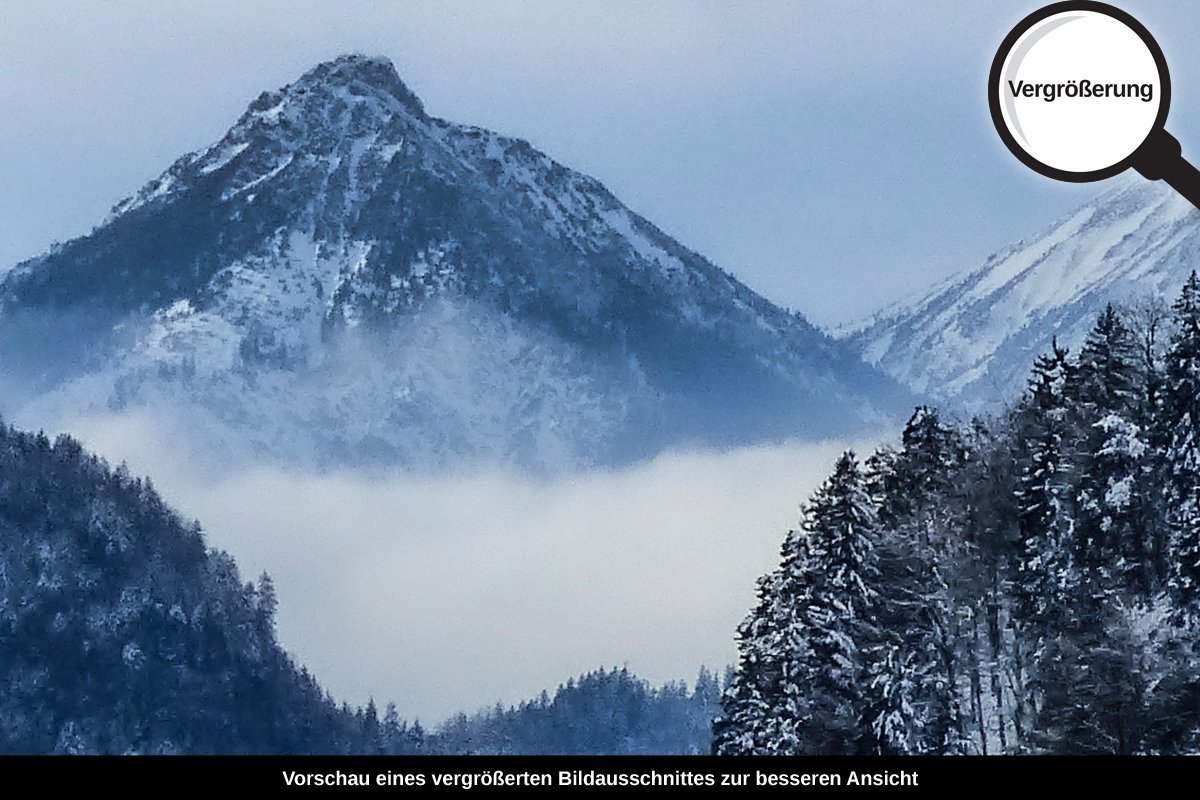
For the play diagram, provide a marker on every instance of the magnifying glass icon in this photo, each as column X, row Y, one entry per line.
column 1079, row 92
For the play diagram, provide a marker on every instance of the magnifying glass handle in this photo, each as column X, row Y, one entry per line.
column 1161, row 158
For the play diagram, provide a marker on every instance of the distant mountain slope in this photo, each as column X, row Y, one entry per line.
column 600, row 713
column 345, row 279
column 973, row 339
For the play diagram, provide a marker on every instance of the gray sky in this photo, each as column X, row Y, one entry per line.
column 835, row 156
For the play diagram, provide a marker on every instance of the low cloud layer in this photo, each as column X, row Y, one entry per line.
column 450, row 593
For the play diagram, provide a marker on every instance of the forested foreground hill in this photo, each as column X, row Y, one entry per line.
column 1029, row 584
column 120, row 632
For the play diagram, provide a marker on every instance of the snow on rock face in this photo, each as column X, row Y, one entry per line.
column 492, row 301
column 453, row 384
column 974, row 338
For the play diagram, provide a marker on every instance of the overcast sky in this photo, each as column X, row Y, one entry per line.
column 835, row 156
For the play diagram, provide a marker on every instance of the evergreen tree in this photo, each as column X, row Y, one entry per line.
column 799, row 684
column 1107, row 378
column 910, row 665
column 921, row 475
column 1043, row 567
column 1182, row 426
column 1110, row 543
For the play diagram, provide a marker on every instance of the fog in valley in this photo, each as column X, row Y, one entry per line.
column 452, row 592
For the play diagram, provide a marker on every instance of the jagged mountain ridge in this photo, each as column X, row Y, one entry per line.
column 343, row 277
column 971, row 341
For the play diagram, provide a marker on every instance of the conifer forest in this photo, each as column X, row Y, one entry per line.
column 1028, row 583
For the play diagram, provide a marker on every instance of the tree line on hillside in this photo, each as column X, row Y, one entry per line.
column 1026, row 584
column 601, row 713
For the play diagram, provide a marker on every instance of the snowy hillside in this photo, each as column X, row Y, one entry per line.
column 973, row 339
column 344, row 279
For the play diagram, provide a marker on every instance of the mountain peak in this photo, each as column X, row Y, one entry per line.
column 343, row 278
column 359, row 73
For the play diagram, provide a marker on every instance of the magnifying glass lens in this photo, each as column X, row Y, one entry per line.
column 1077, row 88
column 1081, row 91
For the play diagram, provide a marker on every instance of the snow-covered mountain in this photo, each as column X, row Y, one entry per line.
column 345, row 279
column 971, row 342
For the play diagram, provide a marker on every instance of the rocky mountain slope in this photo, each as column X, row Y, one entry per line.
column 972, row 340
column 345, row 279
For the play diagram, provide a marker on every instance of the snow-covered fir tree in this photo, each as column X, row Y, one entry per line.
column 799, row 686
column 910, row 670
column 1182, row 426
column 1104, row 400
